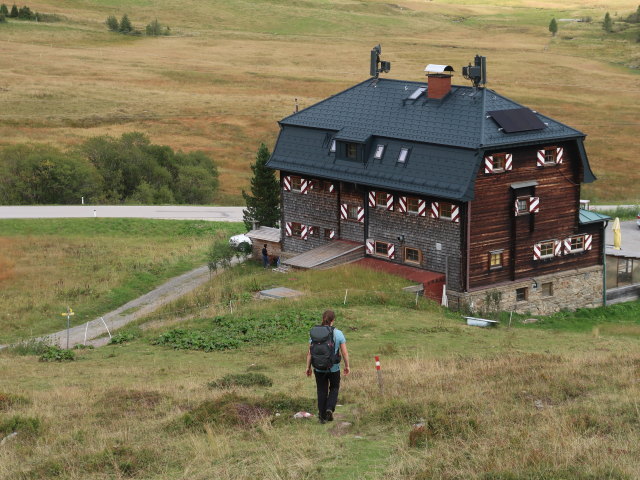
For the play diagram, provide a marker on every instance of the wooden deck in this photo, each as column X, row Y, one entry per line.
column 326, row 256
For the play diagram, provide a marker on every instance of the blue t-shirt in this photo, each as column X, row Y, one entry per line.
column 338, row 339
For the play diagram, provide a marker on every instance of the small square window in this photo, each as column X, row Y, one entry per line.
column 352, row 212
column 523, row 205
column 495, row 260
column 546, row 249
column 381, row 199
column 547, row 289
column 402, row 156
column 382, row 248
column 332, row 149
column 379, row 152
column 412, row 255
column 445, row 209
column 549, row 155
column 498, row 161
column 296, row 229
column 413, row 204
column 522, row 294
column 577, row 243
column 296, row 183
column 328, row 233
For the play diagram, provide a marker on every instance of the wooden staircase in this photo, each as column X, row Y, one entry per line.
column 327, row 256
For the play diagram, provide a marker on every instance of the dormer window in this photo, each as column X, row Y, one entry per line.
column 379, row 152
column 351, row 151
column 403, row 155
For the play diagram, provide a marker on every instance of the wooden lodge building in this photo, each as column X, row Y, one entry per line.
column 458, row 180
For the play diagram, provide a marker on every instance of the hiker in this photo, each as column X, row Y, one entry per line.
column 265, row 256
column 327, row 345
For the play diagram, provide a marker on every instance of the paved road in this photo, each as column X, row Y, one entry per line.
column 220, row 214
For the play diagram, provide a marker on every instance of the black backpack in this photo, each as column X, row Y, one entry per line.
column 323, row 348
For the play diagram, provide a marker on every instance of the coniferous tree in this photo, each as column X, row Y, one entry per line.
column 4, row 10
column 112, row 23
column 25, row 13
column 553, row 27
column 14, row 11
column 125, row 24
column 263, row 204
column 607, row 25
column 3, row 18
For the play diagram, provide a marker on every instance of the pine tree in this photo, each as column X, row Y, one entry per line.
column 112, row 23
column 263, row 205
column 4, row 10
column 125, row 24
column 607, row 25
column 14, row 11
column 553, row 27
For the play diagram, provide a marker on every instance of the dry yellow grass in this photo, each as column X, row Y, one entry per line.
column 232, row 70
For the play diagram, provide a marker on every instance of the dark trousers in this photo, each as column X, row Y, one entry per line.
column 328, row 384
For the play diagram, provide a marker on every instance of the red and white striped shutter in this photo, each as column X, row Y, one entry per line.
column 391, row 251
column 540, row 161
column 286, row 183
column 515, row 208
column 304, row 186
column 370, row 244
column 332, row 187
column 567, row 246
column 534, row 204
column 332, row 234
column 508, row 162
column 536, row 251
column 455, row 214
column 435, row 210
column 557, row 248
column 422, row 208
column 559, row 154
column 344, row 211
column 588, row 240
column 402, row 204
column 305, row 232
column 389, row 202
column 361, row 214
column 372, row 199
column 312, row 230
column 287, row 229
column 488, row 164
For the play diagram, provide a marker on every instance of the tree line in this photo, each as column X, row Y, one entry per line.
column 125, row 26
column 24, row 13
column 607, row 23
column 104, row 169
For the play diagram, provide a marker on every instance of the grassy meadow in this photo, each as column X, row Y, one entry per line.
column 93, row 265
column 535, row 401
column 230, row 70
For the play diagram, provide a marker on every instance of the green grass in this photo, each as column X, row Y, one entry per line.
column 623, row 213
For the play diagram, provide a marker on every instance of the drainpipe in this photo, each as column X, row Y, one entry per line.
column 604, row 264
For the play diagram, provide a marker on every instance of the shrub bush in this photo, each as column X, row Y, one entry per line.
column 57, row 354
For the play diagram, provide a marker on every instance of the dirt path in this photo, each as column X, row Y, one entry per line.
column 141, row 306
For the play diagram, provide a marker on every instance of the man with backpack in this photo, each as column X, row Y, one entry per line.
column 327, row 345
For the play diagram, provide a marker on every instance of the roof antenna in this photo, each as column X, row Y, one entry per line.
column 377, row 66
column 476, row 73
column 296, row 104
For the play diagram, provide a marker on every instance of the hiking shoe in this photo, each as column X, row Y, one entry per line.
column 322, row 420
column 329, row 416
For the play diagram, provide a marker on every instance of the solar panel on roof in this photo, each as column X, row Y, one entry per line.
column 517, row 120
column 419, row 91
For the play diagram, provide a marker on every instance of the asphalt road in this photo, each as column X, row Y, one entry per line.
column 218, row 214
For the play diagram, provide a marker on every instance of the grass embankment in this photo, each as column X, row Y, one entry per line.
column 92, row 265
column 226, row 75
column 520, row 403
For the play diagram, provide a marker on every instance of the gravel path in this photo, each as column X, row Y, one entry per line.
column 141, row 306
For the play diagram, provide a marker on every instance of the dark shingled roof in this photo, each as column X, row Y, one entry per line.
column 447, row 137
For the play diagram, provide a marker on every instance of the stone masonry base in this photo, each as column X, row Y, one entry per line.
column 569, row 290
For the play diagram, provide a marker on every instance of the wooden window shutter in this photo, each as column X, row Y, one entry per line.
column 304, row 234
column 536, row 251
column 534, row 204
column 389, row 202
column 370, row 246
column 391, row 251
column 287, row 229
column 332, row 187
column 559, row 154
column 488, row 164
column 455, row 214
column 540, row 161
column 286, row 183
column 402, row 204
column 422, row 208
column 557, row 248
column 435, row 210
column 361, row 214
column 567, row 246
column 508, row 162
column 372, row 199
column 332, row 234
column 304, row 186
column 344, row 210
column 516, row 210
column 588, row 240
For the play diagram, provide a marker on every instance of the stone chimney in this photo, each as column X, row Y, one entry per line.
column 439, row 80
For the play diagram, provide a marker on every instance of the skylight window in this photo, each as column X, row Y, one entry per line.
column 404, row 154
column 419, row 91
column 379, row 152
column 332, row 149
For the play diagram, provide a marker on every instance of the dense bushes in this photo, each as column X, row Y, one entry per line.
column 154, row 28
column 129, row 169
column 25, row 13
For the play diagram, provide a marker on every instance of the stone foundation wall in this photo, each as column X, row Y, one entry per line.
column 572, row 289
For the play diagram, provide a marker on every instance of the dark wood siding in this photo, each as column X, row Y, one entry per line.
column 494, row 226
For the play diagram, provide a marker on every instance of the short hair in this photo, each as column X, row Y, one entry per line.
column 265, row 244
column 327, row 317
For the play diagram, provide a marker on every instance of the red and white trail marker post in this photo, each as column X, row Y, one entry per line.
column 379, row 373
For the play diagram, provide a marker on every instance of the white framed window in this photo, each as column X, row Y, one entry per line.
column 412, row 255
column 446, row 209
column 522, row 205
column 495, row 259
column 413, row 205
column 546, row 249
column 550, row 155
column 296, row 183
column 382, row 248
column 577, row 243
column 403, row 155
column 379, row 151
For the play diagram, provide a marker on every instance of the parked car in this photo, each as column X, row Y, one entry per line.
column 238, row 240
